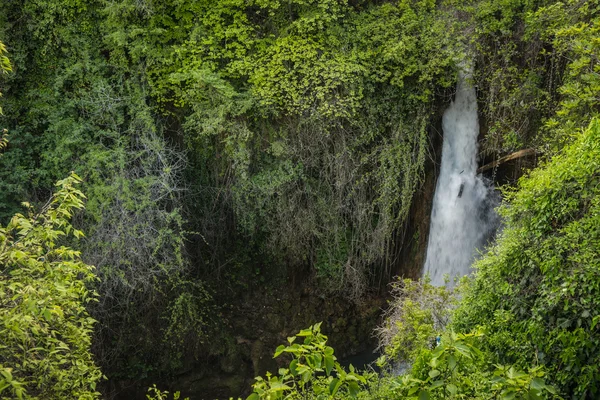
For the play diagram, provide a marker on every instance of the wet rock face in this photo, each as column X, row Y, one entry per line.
column 261, row 323
column 411, row 256
column 254, row 325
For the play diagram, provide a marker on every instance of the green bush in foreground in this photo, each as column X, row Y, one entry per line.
column 313, row 372
column 417, row 314
column 45, row 330
column 455, row 368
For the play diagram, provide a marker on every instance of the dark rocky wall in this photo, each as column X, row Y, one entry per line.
column 261, row 323
column 411, row 256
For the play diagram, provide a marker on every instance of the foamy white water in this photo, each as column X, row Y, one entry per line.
column 463, row 215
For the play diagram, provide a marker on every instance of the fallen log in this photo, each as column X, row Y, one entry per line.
column 502, row 160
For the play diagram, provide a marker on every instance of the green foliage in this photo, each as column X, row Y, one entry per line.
column 287, row 135
column 513, row 384
column 189, row 319
column 355, row 99
column 3, row 141
column 536, row 293
column 313, row 372
column 418, row 313
column 155, row 393
column 5, row 68
column 73, row 108
column 303, row 117
column 445, row 371
column 525, row 51
column 45, row 330
column 581, row 89
column 455, row 368
column 296, row 75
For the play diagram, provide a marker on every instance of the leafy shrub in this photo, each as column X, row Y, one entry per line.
column 155, row 393
column 455, row 368
column 416, row 315
column 5, row 68
column 536, row 294
column 45, row 330
column 438, row 364
column 313, row 372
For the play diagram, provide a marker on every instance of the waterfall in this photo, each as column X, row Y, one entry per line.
column 463, row 215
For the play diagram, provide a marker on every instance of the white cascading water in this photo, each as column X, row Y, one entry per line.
column 463, row 215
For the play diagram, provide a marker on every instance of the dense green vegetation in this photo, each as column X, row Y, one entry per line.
column 226, row 148
column 544, row 271
column 45, row 328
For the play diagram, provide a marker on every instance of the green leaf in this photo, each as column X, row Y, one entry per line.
column 302, row 369
column 304, row 333
column 533, row 395
column 280, row 349
column 463, row 349
column 306, row 376
column 433, row 373
column 328, row 364
column 538, row 383
column 436, row 384
column 451, row 362
column 334, row 386
column 551, row 389
column 452, row 389
column 279, row 387
column 294, row 367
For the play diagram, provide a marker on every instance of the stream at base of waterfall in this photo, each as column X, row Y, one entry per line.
column 463, row 216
